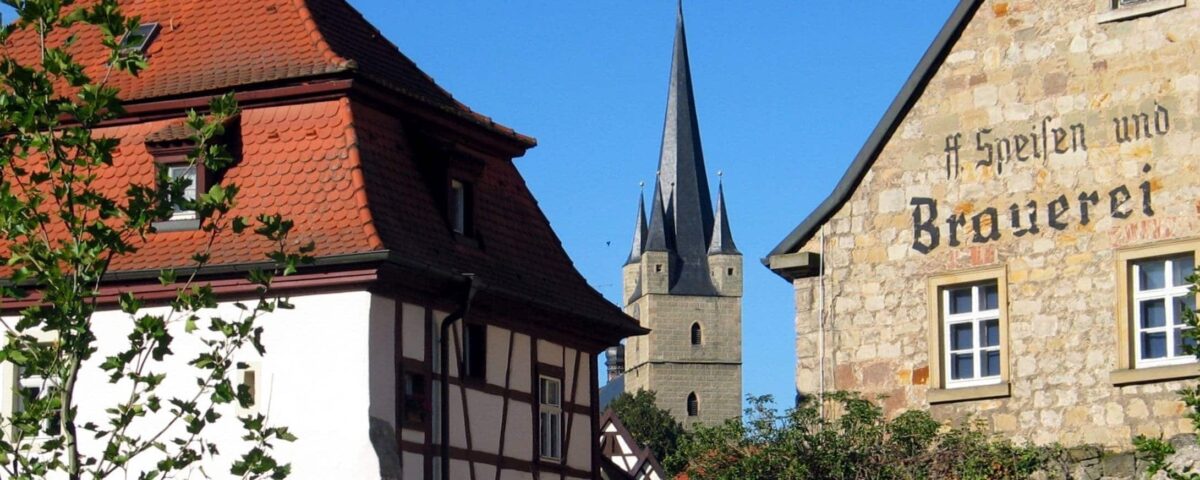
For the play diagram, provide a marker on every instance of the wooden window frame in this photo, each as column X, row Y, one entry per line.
column 557, row 376
column 175, row 157
column 473, row 367
column 940, row 390
column 409, row 402
column 255, row 371
column 1127, row 371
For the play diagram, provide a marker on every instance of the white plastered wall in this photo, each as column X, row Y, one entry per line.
column 315, row 378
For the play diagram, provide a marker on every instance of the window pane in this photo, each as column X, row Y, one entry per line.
column 960, row 336
column 960, row 300
column 989, row 297
column 1180, row 341
column 1151, row 274
column 1154, row 345
column 1188, row 301
column 989, row 334
column 962, row 365
column 554, row 433
column 1154, row 313
column 1183, row 267
column 991, row 364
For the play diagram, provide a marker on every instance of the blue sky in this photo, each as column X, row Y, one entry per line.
column 787, row 92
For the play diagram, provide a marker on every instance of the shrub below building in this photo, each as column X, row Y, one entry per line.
column 855, row 440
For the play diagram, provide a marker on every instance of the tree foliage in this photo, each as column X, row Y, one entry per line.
column 60, row 232
column 653, row 427
column 860, row 442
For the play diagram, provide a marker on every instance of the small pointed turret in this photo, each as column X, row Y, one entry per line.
column 657, row 238
column 639, row 233
column 722, row 237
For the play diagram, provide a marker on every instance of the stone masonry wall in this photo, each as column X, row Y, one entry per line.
column 665, row 360
column 1021, row 69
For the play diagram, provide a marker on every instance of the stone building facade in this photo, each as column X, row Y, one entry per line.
column 1010, row 242
column 683, row 278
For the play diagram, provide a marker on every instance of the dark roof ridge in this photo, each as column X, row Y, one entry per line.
column 901, row 105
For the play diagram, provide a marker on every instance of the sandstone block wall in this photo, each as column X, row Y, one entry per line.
column 666, row 361
column 1023, row 73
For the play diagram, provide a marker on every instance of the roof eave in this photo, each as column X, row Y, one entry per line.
column 901, row 105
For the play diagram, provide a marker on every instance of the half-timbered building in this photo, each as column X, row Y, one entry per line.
column 442, row 331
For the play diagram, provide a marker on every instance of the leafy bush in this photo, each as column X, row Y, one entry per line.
column 860, row 442
column 653, row 427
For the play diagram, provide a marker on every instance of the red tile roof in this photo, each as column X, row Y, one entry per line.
column 297, row 160
column 345, row 172
column 213, row 46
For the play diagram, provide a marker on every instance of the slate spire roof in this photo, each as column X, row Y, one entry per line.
column 722, row 237
column 639, row 233
column 682, row 180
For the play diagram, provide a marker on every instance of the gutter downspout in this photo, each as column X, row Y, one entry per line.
column 444, row 359
column 821, row 326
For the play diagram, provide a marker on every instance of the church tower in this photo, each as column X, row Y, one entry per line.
column 683, row 278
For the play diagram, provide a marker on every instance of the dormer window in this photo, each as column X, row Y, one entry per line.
column 460, row 210
column 192, row 180
column 170, row 147
column 138, row 39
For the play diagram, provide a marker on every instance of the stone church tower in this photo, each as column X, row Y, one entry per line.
column 683, row 279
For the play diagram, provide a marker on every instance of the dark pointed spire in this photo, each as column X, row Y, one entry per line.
column 656, row 234
column 682, row 177
column 639, row 232
column 722, row 237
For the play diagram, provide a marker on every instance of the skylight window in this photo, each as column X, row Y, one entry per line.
column 140, row 38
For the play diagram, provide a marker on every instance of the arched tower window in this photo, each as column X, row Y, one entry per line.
column 697, row 335
column 693, row 405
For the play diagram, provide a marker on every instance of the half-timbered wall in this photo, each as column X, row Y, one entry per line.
column 493, row 421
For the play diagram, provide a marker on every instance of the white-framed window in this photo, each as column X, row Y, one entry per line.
column 550, row 417
column 188, row 171
column 34, row 387
column 1159, row 296
column 971, row 330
